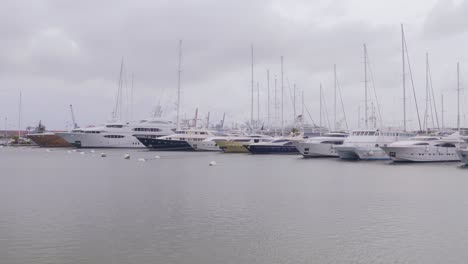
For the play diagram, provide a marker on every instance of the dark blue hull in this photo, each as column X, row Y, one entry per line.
column 165, row 144
column 256, row 149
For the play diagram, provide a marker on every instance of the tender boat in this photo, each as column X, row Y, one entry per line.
column 322, row 146
column 365, row 144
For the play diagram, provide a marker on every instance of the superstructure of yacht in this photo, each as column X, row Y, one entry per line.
column 118, row 134
column 366, row 144
column 425, row 149
column 322, row 146
column 182, row 140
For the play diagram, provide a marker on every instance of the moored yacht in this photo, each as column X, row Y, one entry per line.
column 282, row 145
column 238, row 144
column 42, row 138
column 118, row 134
column 182, row 140
column 365, row 144
column 425, row 149
column 322, row 146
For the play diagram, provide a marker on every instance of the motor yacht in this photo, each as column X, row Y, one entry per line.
column 365, row 144
column 118, row 134
column 321, row 146
column 425, row 149
column 182, row 140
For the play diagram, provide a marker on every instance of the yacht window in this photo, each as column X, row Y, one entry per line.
column 446, row 145
column 146, row 129
column 421, row 144
column 371, row 133
column 114, row 136
column 114, row 126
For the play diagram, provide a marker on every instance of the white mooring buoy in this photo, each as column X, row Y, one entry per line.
column 103, row 155
column 141, row 160
column 212, row 163
column 127, row 156
column 157, row 157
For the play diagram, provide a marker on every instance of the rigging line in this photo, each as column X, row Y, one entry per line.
column 433, row 96
column 375, row 92
column 412, row 84
column 326, row 110
column 290, row 94
column 310, row 117
column 342, row 104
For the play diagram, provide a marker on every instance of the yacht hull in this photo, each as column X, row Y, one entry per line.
column 361, row 153
column 88, row 140
column 204, row 145
column 49, row 140
column 422, row 154
column 316, row 149
column 165, row 144
column 268, row 149
column 463, row 155
column 233, row 147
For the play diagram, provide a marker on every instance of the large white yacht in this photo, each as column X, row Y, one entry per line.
column 322, row 146
column 118, row 134
column 365, row 144
column 425, row 149
column 182, row 140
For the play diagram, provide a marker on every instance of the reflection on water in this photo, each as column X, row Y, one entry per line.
column 61, row 207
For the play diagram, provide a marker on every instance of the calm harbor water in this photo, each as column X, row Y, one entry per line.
column 60, row 207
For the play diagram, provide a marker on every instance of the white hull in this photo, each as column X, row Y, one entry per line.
column 316, row 149
column 422, row 154
column 361, row 153
column 85, row 140
column 204, row 145
column 463, row 155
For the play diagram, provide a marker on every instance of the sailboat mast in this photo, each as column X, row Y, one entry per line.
column 320, row 119
column 334, row 106
column 365, row 87
column 268, row 101
column 458, row 96
column 294, row 100
column 179, row 72
column 404, row 75
column 302, row 110
column 426, row 113
column 258, row 104
column 19, row 115
column 282, row 98
column 276, row 102
column 131, row 99
column 442, row 110
column 252, row 91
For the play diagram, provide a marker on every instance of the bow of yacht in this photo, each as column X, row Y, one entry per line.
column 322, row 146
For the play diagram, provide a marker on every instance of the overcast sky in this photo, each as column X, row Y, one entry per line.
column 68, row 52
